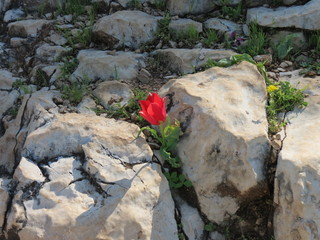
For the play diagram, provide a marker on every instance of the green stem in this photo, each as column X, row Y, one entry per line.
column 162, row 134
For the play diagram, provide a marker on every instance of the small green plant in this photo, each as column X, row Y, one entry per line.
column 211, row 37
column 177, row 180
column 43, row 7
column 256, row 43
column 160, row 4
column 41, row 79
column 125, row 111
column 22, row 86
column 282, row 99
column 69, row 65
column 210, row 227
column 13, row 111
column 314, row 42
column 136, row 4
column 83, row 36
column 74, row 7
column 163, row 33
column 310, row 69
column 189, row 35
column 232, row 12
column 76, row 90
column 284, row 47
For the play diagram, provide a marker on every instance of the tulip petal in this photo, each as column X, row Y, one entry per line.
column 156, row 112
column 144, row 105
column 148, row 118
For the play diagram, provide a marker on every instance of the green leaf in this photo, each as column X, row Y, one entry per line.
column 209, row 227
column 177, row 185
column 172, row 134
column 174, row 162
column 188, row 183
column 182, row 177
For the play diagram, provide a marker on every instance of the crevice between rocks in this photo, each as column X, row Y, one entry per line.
column 16, row 155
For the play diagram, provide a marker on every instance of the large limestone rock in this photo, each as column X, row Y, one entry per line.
column 126, row 28
column 297, row 183
column 35, row 111
column 185, row 61
column 183, row 7
column 106, row 65
column 100, row 183
column 225, row 142
column 303, row 17
column 26, row 28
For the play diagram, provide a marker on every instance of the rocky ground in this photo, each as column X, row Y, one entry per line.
column 72, row 72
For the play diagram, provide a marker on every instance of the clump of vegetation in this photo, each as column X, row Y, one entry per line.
column 160, row 4
column 189, row 35
column 126, row 111
column 135, row 4
column 256, row 43
column 210, row 37
column 163, row 32
column 22, row 86
column 74, row 7
column 70, row 64
column 41, row 79
column 232, row 12
column 310, row 68
column 75, row 90
column 284, row 47
column 282, row 99
column 314, row 42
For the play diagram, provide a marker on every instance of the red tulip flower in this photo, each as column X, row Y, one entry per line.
column 153, row 109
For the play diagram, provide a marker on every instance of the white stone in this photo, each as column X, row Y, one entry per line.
column 222, row 115
column 304, row 17
column 183, row 7
column 113, row 92
column 4, row 198
column 297, row 182
column 183, row 24
column 126, row 28
column 185, row 61
column 27, row 172
column 26, row 28
column 6, row 80
column 86, row 106
column 105, row 65
column 191, row 221
column 57, row 39
column 222, row 25
column 13, row 15
column 17, row 41
column 4, row 5
column 49, row 53
column 7, row 100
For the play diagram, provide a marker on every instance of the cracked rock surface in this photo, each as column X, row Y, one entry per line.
column 297, row 184
column 87, row 177
column 222, row 114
